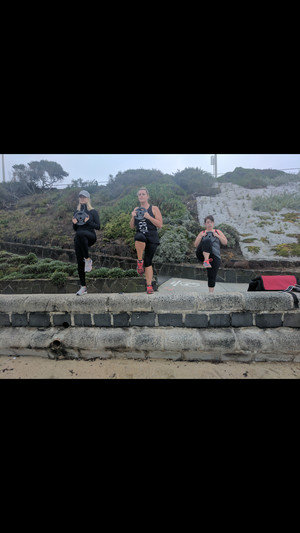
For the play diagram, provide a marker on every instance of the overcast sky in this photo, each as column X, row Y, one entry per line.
column 100, row 166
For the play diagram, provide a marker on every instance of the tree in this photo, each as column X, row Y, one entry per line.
column 21, row 183
column 194, row 180
column 39, row 174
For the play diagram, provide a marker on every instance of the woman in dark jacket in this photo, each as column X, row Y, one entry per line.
column 85, row 236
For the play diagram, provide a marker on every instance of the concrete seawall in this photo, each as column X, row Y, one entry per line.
column 233, row 326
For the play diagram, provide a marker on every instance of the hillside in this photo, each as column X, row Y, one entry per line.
column 44, row 218
column 253, row 178
column 184, row 198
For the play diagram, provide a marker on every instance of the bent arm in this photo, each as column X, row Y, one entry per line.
column 157, row 221
column 199, row 239
column 95, row 223
column 133, row 214
column 222, row 237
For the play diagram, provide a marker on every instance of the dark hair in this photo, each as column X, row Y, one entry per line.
column 210, row 217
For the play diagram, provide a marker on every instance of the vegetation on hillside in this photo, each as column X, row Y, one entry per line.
column 13, row 266
column 43, row 216
column 277, row 202
column 34, row 211
column 253, row 178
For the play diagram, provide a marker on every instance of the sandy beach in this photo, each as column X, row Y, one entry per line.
column 29, row 367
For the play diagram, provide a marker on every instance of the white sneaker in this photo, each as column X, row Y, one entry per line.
column 82, row 290
column 88, row 265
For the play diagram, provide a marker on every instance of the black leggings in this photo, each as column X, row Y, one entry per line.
column 149, row 250
column 206, row 246
column 82, row 241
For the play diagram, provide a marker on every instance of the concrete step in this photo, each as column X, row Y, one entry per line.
column 243, row 326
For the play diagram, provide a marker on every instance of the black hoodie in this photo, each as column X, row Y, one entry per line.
column 92, row 224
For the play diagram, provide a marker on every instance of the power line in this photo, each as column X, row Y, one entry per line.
column 72, row 184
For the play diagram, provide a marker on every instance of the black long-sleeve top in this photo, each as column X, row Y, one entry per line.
column 92, row 224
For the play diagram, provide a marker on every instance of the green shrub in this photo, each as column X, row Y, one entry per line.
column 174, row 245
column 116, row 273
column 104, row 272
column 131, row 273
column 119, row 227
column 59, row 278
column 287, row 250
column 99, row 272
column 276, row 202
column 195, row 181
column 253, row 249
column 231, row 234
column 57, row 271
column 30, row 259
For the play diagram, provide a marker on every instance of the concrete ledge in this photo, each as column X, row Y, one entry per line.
column 243, row 326
column 223, row 344
column 142, row 302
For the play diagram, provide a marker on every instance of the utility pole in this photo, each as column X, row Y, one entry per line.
column 213, row 162
column 3, row 170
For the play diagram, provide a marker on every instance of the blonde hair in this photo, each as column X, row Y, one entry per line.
column 144, row 189
column 88, row 205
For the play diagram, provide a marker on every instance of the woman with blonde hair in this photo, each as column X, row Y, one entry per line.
column 146, row 219
column 85, row 222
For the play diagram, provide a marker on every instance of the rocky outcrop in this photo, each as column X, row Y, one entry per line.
column 260, row 231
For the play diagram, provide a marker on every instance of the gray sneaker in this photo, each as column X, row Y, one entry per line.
column 82, row 290
column 88, row 265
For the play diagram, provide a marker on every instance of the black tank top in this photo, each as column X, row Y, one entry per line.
column 148, row 229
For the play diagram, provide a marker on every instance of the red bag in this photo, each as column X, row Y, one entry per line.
column 278, row 283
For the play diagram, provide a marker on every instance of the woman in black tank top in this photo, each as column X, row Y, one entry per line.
column 146, row 219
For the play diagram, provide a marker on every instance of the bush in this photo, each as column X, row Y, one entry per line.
column 231, row 234
column 30, row 259
column 119, row 227
column 174, row 245
column 287, row 250
column 105, row 272
column 276, row 202
column 59, row 278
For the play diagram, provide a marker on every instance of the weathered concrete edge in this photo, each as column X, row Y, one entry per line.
column 223, row 344
column 157, row 303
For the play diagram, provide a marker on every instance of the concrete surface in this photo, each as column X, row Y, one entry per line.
column 185, row 286
column 184, row 323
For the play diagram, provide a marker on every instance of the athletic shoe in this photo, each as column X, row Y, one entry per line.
column 82, row 290
column 206, row 264
column 150, row 289
column 140, row 267
column 88, row 265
